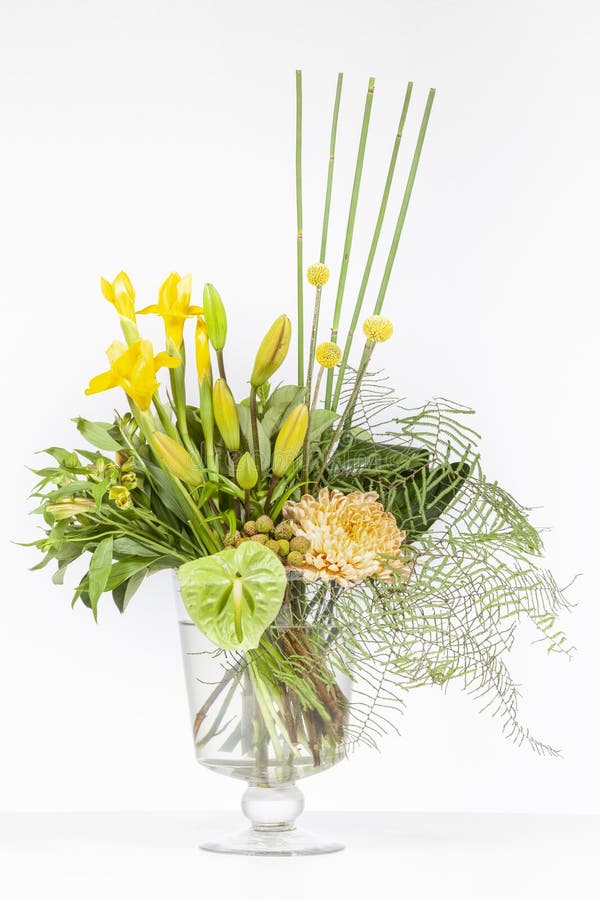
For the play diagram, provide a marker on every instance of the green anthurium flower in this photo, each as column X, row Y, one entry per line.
column 234, row 595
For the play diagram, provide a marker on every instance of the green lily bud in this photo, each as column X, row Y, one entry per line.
column 290, row 439
column 246, row 473
column 272, row 351
column 176, row 459
column 64, row 509
column 214, row 316
column 226, row 416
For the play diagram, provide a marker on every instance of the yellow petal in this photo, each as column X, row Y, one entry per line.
column 163, row 359
column 103, row 382
column 115, row 351
column 107, row 289
column 153, row 308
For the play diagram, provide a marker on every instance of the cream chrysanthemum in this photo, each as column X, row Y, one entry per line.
column 351, row 537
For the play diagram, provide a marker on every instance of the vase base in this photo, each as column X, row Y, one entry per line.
column 290, row 842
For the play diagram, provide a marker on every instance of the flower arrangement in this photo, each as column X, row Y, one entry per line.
column 317, row 527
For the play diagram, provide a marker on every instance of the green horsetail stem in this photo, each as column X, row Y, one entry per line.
column 405, row 201
column 316, row 311
column 373, row 248
column 332, row 140
column 300, row 273
column 398, row 230
column 350, row 229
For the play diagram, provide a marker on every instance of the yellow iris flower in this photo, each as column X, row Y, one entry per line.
column 121, row 294
column 174, row 306
column 134, row 369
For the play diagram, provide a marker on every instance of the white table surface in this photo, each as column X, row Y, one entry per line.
column 418, row 855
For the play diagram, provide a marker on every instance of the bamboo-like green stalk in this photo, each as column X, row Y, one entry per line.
column 350, row 229
column 324, row 232
column 332, row 140
column 373, row 248
column 398, row 230
column 300, row 273
column 405, row 202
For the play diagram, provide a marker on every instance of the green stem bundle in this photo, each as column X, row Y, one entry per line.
column 373, row 248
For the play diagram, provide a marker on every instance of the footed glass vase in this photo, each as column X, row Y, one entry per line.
column 271, row 717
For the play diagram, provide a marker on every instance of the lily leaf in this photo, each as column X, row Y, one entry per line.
column 99, row 434
column 100, row 566
column 234, row 595
column 263, row 441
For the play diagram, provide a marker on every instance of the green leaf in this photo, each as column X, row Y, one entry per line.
column 99, row 571
column 65, row 556
column 99, row 490
column 128, row 546
column 99, row 434
column 320, row 420
column 125, row 591
column 234, row 595
column 263, row 441
column 63, row 457
column 281, row 402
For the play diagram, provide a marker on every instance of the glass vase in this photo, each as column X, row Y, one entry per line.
column 271, row 717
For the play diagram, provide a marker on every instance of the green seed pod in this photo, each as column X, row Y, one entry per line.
column 214, row 316
column 284, row 547
column 264, row 524
column 294, row 558
column 284, row 531
column 259, row 538
column 272, row 351
column 246, row 473
column 273, row 545
column 250, row 528
column 300, row 544
column 230, row 539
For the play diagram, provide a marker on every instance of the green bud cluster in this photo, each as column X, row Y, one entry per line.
column 280, row 538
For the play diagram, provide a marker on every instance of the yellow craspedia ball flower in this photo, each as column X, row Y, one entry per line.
column 318, row 274
column 378, row 328
column 328, row 354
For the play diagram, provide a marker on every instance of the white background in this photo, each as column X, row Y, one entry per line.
column 154, row 136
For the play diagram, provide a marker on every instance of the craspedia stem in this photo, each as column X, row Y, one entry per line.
column 346, row 417
column 350, row 229
column 299, row 261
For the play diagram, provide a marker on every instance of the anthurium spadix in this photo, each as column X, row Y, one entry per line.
column 234, row 595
